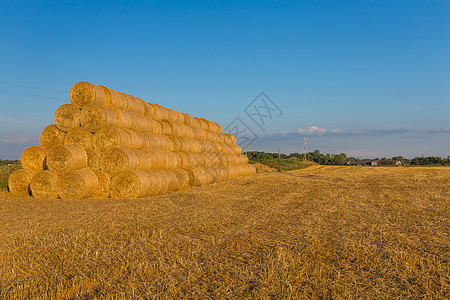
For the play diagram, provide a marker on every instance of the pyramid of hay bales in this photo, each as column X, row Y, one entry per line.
column 110, row 144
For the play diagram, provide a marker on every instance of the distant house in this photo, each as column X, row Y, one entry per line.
column 362, row 163
column 390, row 162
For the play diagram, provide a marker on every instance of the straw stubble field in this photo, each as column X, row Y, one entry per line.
column 321, row 232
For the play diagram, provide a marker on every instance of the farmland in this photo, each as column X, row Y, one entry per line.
column 321, row 232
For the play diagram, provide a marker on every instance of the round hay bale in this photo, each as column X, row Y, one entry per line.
column 150, row 111
column 161, row 113
column 166, row 128
column 188, row 120
column 143, row 104
column 130, row 184
column 144, row 160
column 164, row 181
column 110, row 137
column 212, row 174
column 145, row 141
column 117, row 160
column 182, row 178
column 185, row 160
column 94, row 117
column 152, row 126
column 173, row 160
column 51, row 136
column 64, row 158
column 33, row 159
column 135, row 139
column 85, row 93
column 172, row 180
column 230, row 139
column 133, row 105
column 190, row 175
column 45, row 184
column 67, row 116
column 93, row 159
column 176, row 142
column 212, row 159
column 103, row 186
column 79, row 136
column 19, row 182
column 180, row 117
column 124, row 119
column 155, row 182
column 236, row 149
column 200, row 177
column 186, row 131
column 138, row 122
column 77, row 184
column 112, row 99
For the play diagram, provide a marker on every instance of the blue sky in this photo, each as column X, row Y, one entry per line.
column 367, row 78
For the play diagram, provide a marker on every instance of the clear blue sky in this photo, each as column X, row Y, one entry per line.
column 367, row 78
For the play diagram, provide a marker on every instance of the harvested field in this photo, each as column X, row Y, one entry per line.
column 320, row 232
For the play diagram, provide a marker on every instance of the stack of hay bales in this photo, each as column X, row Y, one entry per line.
column 106, row 143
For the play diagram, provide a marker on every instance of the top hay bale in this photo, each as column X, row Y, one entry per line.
column 84, row 93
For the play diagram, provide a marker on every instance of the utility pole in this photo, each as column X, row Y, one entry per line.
column 279, row 153
column 304, row 148
column 245, row 138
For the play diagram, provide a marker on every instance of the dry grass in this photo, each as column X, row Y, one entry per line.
column 321, row 232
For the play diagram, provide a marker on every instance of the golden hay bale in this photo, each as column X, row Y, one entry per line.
column 145, row 141
column 33, row 159
column 180, row 117
column 124, row 119
column 152, row 126
column 150, row 111
column 143, row 104
column 182, row 178
column 164, row 181
column 138, row 122
column 103, row 186
column 64, row 158
column 77, row 184
column 188, row 120
column 144, row 160
column 110, row 137
column 19, row 182
column 130, row 184
column 156, row 185
column 85, row 93
column 186, row 131
column 135, row 139
column 172, row 180
column 67, row 116
column 229, row 138
column 174, row 160
column 159, row 141
column 200, row 177
column 93, row 159
column 134, row 105
column 212, row 159
column 172, row 115
column 45, row 184
column 116, row 160
column 185, row 160
column 236, row 149
column 158, row 127
column 79, row 136
column 166, row 128
column 175, row 128
column 112, row 99
column 211, row 172
column 161, row 113
column 94, row 117
column 51, row 136
column 176, row 142
column 190, row 175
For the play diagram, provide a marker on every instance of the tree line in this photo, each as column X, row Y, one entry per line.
column 342, row 159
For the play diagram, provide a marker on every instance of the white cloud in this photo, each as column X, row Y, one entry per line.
column 313, row 130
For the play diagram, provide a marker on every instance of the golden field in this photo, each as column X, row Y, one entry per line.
column 322, row 232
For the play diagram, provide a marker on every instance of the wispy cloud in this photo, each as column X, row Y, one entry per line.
column 319, row 131
column 20, row 141
column 439, row 130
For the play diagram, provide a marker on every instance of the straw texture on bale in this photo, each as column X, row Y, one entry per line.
column 117, row 160
column 94, row 117
column 19, row 182
column 150, row 110
column 45, row 184
column 103, row 187
column 93, row 159
column 51, row 136
column 85, row 93
column 171, row 180
column 112, row 99
column 65, row 158
column 155, row 182
column 77, row 184
column 67, row 116
column 130, row 184
column 33, row 159
column 79, row 136
column 135, row 139
column 182, row 177
column 110, row 137
column 144, row 160
column 229, row 138
column 164, row 187
column 123, row 117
